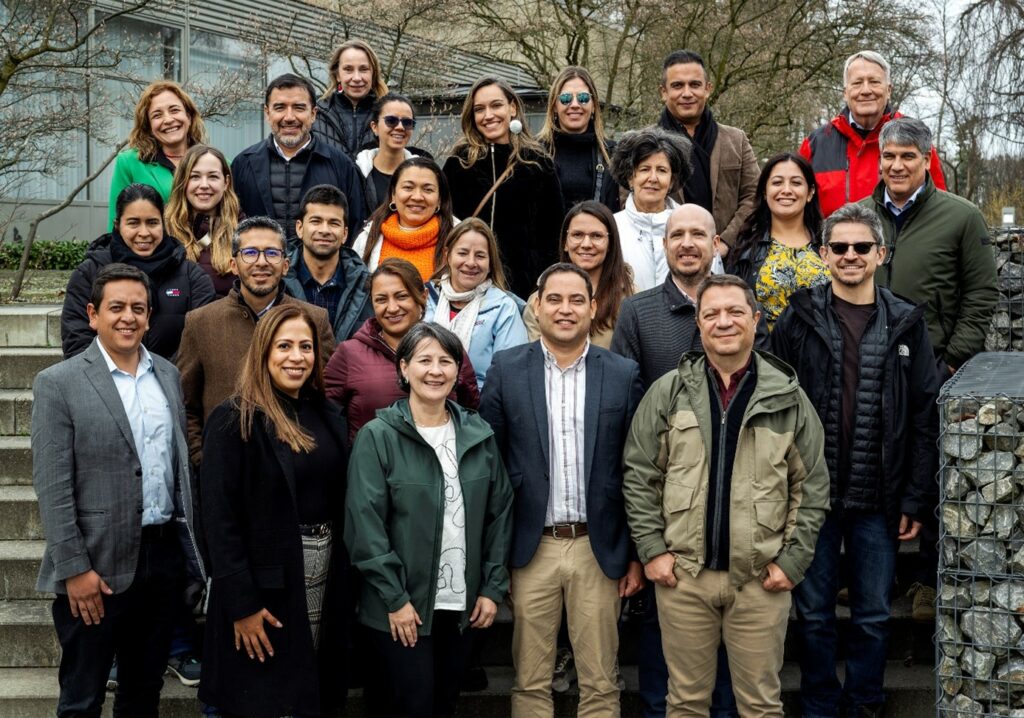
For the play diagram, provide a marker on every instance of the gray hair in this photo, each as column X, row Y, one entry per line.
column 870, row 56
column 260, row 222
column 906, row 131
column 853, row 213
column 637, row 145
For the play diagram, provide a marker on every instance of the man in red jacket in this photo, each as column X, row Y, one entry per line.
column 844, row 152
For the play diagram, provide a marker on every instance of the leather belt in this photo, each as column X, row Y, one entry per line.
column 566, row 531
column 323, row 529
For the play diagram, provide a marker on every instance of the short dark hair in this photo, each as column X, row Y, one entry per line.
column 419, row 332
column 323, row 194
column 288, row 81
column 726, row 280
column 116, row 272
column 637, row 145
column 134, row 192
column 683, row 57
column 563, row 268
column 257, row 222
column 378, row 106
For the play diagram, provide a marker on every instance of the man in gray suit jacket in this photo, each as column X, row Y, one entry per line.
column 110, row 468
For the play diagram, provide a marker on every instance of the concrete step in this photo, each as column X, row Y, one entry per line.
column 27, row 638
column 15, row 462
column 19, row 567
column 19, row 365
column 32, row 693
column 19, row 514
column 30, row 325
column 15, row 412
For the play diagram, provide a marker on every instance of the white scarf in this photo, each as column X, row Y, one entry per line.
column 463, row 323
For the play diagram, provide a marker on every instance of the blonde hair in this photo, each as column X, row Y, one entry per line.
column 255, row 390
column 380, row 88
column 472, row 146
column 141, row 137
column 547, row 132
column 179, row 214
column 473, row 224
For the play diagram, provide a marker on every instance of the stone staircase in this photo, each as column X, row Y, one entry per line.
column 29, row 653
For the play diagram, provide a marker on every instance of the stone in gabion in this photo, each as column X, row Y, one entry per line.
column 994, row 629
column 956, row 523
column 989, row 466
column 963, row 440
column 978, row 663
column 1019, row 451
column 1002, row 437
column 965, row 408
column 980, row 592
column 988, row 414
column 954, row 597
column 996, row 492
column 1001, row 522
column 1011, row 278
column 975, row 509
column 949, row 676
column 1017, row 562
column 949, row 636
column 985, row 556
column 996, row 340
column 955, row 484
column 962, row 705
column 986, row 691
column 1012, row 671
column 1009, row 595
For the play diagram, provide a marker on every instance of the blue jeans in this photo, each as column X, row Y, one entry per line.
column 871, row 564
column 653, row 673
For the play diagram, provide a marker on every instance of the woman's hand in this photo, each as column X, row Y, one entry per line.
column 483, row 613
column 249, row 631
column 403, row 625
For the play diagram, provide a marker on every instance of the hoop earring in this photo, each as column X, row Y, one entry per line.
column 393, row 207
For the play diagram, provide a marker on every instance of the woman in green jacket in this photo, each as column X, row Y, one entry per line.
column 167, row 123
column 429, row 524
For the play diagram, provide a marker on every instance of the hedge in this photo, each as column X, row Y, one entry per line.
column 45, row 254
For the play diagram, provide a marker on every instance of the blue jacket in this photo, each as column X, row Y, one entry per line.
column 514, row 404
column 499, row 325
column 354, row 306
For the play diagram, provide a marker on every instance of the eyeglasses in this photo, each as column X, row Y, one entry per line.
column 581, row 97
column 250, row 255
column 391, row 122
column 841, row 248
column 577, row 237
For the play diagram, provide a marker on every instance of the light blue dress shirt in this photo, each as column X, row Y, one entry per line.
column 152, row 423
column 896, row 211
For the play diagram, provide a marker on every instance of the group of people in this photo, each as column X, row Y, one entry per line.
column 361, row 399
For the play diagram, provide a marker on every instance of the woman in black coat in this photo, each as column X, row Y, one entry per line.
column 138, row 239
column 525, row 210
column 272, row 487
column 346, row 108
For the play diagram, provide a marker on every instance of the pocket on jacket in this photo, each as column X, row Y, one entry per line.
column 677, row 497
column 685, row 443
column 771, row 514
column 684, row 525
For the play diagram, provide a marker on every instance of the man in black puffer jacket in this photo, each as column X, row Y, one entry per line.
column 864, row 358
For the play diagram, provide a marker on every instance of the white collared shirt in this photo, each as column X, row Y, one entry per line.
column 565, row 391
column 152, row 423
column 295, row 154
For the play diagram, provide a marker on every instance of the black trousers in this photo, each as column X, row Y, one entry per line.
column 422, row 681
column 136, row 627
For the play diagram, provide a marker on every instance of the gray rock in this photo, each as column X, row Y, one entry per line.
column 985, row 556
column 1017, row 562
column 963, row 439
column 1001, row 522
column 1001, row 320
column 955, row 522
column 989, row 466
column 996, row 341
column 1009, row 595
column 1002, row 437
column 978, row 663
column 980, row 592
column 996, row 492
column 949, row 635
column 1012, row 671
column 949, row 676
column 961, row 408
column 988, row 414
column 1019, row 451
column 975, row 508
column 962, row 705
column 953, row 597
column 994, row 630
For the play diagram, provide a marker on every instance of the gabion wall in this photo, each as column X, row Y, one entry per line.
column 980, row 617
column 1007, row 329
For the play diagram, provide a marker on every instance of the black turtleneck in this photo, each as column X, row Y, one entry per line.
column 312, row 481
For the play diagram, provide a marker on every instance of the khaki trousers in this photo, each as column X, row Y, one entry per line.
column 698, row 614
column 564, row 570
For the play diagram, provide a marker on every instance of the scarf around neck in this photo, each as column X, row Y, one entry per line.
column 463, row 323
column 163, row 257
column 414, row 245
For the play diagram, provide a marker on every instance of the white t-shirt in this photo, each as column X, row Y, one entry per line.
column 451, row 571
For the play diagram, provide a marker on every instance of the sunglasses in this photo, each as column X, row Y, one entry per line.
column 841, row 248
column 581, row 97
column 391, row 122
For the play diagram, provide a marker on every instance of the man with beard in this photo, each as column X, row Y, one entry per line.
column 323, row 271
column 724, row 176
column 271, row 177
column 215, row 341
column 864, row 359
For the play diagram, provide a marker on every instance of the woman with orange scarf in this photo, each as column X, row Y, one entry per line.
column 419, row 214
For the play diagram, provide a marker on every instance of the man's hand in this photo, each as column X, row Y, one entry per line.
column 633, row 581
column 85, row 595
column 908, row 528
column 249, row 632
column 776, row 580
column 661, row 570
column 483, row 613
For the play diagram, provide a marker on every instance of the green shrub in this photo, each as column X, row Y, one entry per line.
column 45, row 254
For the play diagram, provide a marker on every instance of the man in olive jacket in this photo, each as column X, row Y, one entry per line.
column 726, row 489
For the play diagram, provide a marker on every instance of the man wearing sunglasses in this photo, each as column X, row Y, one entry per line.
column 864, row 358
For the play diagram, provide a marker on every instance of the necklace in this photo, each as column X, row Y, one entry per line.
column 447, row 418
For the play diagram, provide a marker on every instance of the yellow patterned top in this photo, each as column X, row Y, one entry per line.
column 785, row 270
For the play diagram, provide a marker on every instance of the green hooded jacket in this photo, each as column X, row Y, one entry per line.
column 780, row 483
column 394, row 508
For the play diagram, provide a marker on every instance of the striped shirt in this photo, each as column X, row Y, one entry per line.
column 566, row 393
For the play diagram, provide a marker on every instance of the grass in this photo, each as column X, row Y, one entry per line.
column 40, row 286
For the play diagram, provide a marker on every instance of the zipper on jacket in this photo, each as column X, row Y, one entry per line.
column 716, row 519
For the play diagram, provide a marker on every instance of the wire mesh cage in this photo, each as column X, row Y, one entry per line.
column 1006, row 331
column 979, row 638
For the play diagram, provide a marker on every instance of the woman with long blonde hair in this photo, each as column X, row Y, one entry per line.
column 203, row 212
column 498, row 172
column 346, row 107
column 167, row 123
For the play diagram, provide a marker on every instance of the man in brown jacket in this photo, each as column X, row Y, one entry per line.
column 216, row 339
column 724, row 176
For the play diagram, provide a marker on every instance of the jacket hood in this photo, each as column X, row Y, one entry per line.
column 369, row 335
column 470, row 430
column 775, row 378
column 364, row 160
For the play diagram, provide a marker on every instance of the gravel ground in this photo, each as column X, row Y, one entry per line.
column 39, row 287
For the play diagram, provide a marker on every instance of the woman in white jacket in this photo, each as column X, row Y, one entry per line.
column 392, row 124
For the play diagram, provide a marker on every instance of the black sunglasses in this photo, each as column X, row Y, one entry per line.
column 841, row 248
column 391, row 122
column 581, row 97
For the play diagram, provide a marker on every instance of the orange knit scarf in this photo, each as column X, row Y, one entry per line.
column 415, row 245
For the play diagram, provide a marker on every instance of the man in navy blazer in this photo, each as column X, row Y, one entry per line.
column 560, row 409
column 272, row 176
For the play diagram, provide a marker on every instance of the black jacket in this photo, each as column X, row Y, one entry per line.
column 325, row 165
column 354, row 306
column 177, row 286
column 345, row 126
column 255, row 562
column 583, row 172
column 805, row 337
column 527, row 211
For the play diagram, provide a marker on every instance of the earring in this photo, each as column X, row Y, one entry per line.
column 393, row 207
